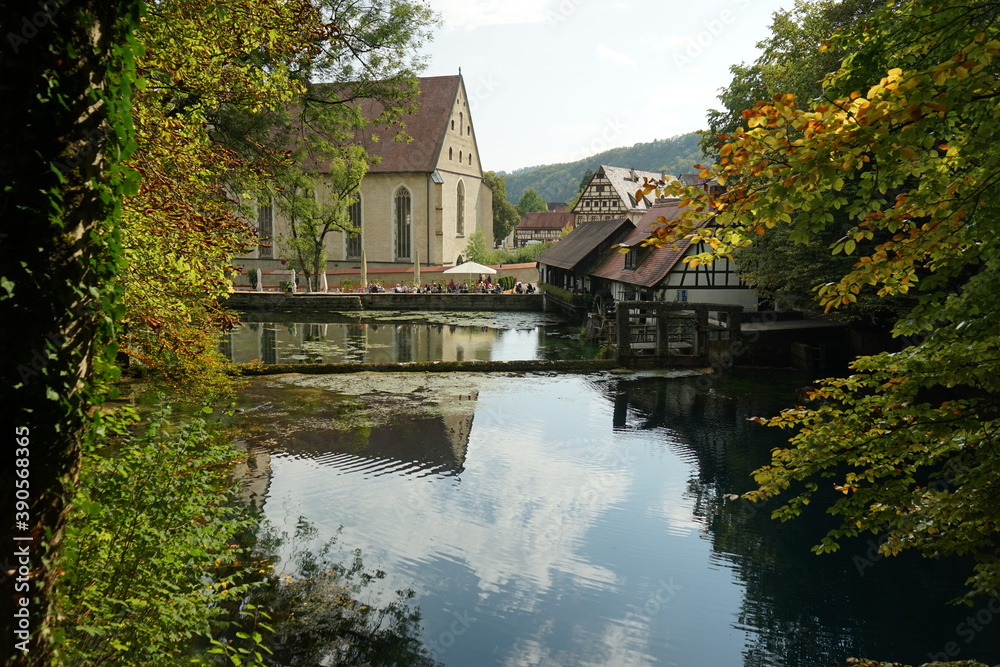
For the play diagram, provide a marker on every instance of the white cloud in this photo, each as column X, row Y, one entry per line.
column 608, row 54
column 466, row 15
column 671, row 42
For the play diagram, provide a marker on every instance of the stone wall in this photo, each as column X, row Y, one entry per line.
column 280, row 302
column 273, row 274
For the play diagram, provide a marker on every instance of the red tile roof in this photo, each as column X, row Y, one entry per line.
column 583, row 241
column 427, row 127
column 546, row 220
column 660, row 261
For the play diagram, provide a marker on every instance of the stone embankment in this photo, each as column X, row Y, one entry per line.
column 287, row 302
column 473, row 366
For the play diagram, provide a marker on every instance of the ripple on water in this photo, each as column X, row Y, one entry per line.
column 574, row 520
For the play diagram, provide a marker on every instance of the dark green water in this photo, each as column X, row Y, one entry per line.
column 584, row 520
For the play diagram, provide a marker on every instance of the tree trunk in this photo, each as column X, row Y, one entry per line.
column 58, row 258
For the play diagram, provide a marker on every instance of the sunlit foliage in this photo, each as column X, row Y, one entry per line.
column 901, row 144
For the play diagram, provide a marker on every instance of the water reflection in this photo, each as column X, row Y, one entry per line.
column 583, row 520
column 401, row 337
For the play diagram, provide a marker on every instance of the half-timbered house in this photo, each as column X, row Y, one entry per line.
column 611, row 194
column 567, row 264
column 660, row 274
column 542, row 226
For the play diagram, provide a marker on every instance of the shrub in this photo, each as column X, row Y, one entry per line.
column 150, row 551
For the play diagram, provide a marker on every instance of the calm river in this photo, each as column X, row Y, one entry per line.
column 584, row 520
column 387, row 336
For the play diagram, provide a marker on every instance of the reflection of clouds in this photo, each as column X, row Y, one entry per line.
column 678, row 517
column 614, row 648
column 541, row 505
column 515, row 344
column 521, row 513
column 545, row 476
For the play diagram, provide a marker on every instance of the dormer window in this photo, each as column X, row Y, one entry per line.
column 635, row 256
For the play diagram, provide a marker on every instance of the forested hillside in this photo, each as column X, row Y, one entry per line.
column 560, row 182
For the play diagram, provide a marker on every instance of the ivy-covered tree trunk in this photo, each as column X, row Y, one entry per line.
column 65, row 71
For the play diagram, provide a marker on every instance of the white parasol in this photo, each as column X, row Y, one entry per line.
column 470, row 268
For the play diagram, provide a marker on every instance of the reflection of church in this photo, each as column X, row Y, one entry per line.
column 253, row 471
column 411, row 441
column 356, row 342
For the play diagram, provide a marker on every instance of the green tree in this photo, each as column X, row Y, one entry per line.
column 183, row 225
column 790, row 60
column 792, row 63
column 907, row 441
column 477, row 250
column 237, row 100
column 505, row 215
column 531, row 201
column 588, row 175
column 68, row 84
column 152, row 559
column 317, row 205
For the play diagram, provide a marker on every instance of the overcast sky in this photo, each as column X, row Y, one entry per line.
column 558, row 80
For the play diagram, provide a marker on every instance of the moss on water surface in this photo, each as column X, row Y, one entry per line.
column 281, row 404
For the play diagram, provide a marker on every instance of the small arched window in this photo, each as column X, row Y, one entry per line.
column 460, row 209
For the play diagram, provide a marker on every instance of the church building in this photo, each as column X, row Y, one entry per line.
column 423, row 199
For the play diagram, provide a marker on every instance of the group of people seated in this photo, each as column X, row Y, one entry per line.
column 484, row 285
column 481, row 286
column 520, row 288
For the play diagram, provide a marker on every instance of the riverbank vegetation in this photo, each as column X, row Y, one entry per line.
column 165, row 565
column 888, row 166
column 154, row 141
column 477, row 250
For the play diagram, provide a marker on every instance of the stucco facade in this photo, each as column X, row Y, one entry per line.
column 420, row 202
